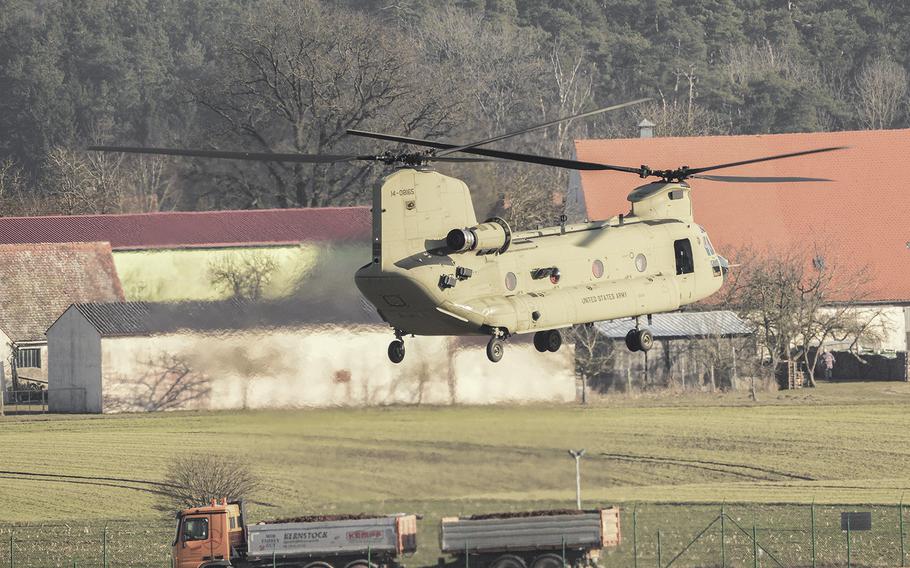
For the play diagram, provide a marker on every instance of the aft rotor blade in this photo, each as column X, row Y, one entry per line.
column 539, row 126
column 503, row 155
column 753, row 179
column 249, row 156
column 765, row 159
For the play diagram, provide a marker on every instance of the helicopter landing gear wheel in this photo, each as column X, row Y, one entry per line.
column 396, row 351
column 554, row 340
column 495, row 349
column 550, row 340
column 540, row 341
column 639, row 340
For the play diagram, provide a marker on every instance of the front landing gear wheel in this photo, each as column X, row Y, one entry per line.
column 632, row 340
column 540, row 341
column 554, row 340
column 396, row 351
column 639, row 340
column 645, row 339
column 495, row 350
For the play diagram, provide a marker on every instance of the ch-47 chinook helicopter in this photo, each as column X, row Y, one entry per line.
column 436, row 271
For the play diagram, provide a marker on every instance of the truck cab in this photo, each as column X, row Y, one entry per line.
column 208, row 536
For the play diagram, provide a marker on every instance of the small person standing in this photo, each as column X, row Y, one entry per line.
column 828, row 361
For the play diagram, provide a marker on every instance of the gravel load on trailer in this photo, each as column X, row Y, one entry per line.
column 323, row 518
column 523, row 514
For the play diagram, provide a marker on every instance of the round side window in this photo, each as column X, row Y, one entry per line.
column 597, row 268
column 641, row 262
column 511, row 281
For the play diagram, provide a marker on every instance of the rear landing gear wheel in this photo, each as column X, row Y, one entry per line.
column 495, row 350
column 396, row 351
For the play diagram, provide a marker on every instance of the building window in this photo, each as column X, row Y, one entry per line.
column 28, row 357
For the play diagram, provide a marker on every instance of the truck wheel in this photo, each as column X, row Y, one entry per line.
column 360, row 564
column 548, row 561
column 508, row 561
column 318, row 565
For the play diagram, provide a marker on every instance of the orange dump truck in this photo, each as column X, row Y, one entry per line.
column 217, row 535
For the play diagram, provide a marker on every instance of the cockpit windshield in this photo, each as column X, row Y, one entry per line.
column 708, row 247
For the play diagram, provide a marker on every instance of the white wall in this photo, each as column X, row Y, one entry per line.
column 889, row 323
column 323, row 366
column 73, row 365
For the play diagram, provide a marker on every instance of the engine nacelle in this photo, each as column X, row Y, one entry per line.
column 491, row 236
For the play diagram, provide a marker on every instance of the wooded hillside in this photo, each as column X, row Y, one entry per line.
column 291, row 76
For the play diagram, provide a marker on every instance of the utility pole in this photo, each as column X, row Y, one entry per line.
column 577, row 455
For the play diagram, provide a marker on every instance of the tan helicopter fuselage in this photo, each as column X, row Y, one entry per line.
column 486, row 278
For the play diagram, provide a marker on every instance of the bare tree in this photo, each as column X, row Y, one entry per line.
column 799, row 300
column 194, row 480
column 880, row 92
column 243, row 276
column 168, row 383
column 93, row 182
column 299, row 74
column 594, row 353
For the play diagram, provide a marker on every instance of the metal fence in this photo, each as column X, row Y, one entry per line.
column 654, row 536
column 752, row 535
column 25, row 400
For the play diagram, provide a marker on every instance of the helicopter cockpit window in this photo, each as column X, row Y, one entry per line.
column 682, row 249
column 708, row 248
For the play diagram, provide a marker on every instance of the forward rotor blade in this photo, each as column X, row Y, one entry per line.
column 765, row 159
column 539, row 126
column 752, row 179
column 503, row 155
column 249, row 156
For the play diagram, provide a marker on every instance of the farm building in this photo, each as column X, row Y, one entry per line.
column 39, row 282
column 170, row 256
column 856, row 222
column 137, row 356
column 690, row 349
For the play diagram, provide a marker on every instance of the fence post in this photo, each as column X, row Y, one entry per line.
column 10, row 540
column 369, row 556
column 754, row 545
column 659, row 562
column 563, row 551
column 900, row 524
column 848, row 540
column 467, row 562
column 723, row 540
column 104, row 548
column 813, row 532
column 273, row 559
column 635, row 537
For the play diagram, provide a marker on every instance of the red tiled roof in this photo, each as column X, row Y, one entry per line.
column 862, row 218
column 40, row 281
column 193, row 229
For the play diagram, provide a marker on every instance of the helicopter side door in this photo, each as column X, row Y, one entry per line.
column 685, row 269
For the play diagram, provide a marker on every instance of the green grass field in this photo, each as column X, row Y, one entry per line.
column 844, row 443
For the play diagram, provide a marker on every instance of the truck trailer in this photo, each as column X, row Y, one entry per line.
column 535, row 539
column 217, row 535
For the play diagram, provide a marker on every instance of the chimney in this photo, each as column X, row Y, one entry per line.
column 646, row 129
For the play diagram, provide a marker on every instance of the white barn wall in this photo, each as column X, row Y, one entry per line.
column 329, row 366
column 73, row 365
